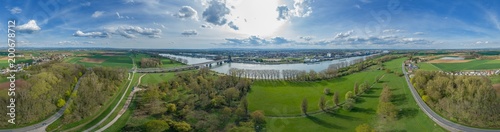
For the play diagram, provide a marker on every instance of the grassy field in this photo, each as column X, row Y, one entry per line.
column 495, row 79
column 155, row 78
column 427, row 67
column 411, row 118
column 283, row 98
column 471, row 65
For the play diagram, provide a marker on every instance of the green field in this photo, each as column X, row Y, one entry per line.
column 155, row 78
column 427, row 67
column 471, row 65
column 495, row 79
column 280, row 101
column 110, row 61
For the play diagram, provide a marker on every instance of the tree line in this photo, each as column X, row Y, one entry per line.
column 469, row 100
column 150, row 62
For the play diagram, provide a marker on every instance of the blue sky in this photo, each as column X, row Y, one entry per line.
column 332, row 24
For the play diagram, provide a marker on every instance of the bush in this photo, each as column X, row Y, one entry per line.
column 348, row 105
column 327, row 91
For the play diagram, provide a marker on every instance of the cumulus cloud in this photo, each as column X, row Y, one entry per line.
column 132, row 31
column 256, row 41
column 206, row 26
column 233, row 26
column 189, row 33
column 187, row 12
column 29, row 27
column 375, row 40
column 97, row 14
column 344, row 35
column 418, row 33
column 79, row 33
column 216, row 13
column 306, row 38
column 301, row 8
column 15, row 10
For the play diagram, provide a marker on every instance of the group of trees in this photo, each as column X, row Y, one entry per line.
column 386, row 109
column 151, row 62
column 178, row 59
column 40, row 89
column 97, row 86
column 469, row 100
column 200, row 101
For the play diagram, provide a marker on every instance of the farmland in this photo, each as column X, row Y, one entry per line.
column 471, row 65
column 282, row 111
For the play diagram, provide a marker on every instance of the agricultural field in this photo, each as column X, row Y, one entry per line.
column 471, row 65
column 282, row 111
column 122, row 60
column 427, row 67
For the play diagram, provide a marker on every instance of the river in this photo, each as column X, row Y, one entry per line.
column 320, row 66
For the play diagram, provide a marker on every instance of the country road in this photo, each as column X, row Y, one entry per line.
column 446, row 124
column 125, row 107
column 40, row 127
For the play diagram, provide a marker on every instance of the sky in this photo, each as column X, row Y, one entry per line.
column 267, row 24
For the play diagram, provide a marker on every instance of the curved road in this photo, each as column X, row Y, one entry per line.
column 125, row 107
column 446, row 124
column 40, row 127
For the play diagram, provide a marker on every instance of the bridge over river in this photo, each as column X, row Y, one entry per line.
column 182, row 68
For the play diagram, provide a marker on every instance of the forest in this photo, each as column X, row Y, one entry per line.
column 198, row 101
column 469, row 100
column 151, row 62
column 45, row 85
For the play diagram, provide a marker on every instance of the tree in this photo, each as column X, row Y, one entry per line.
column 304, row 106
column 61, row 103
column 336, row 98
column 349, row 104
column 258, row 117
column 326, row 91
column 171, row 107
column 322, row 103
column 387, row 110
column 385, row 96
column 349, row 95
column 156, row 126
column 182, row 126
column 356, row 88
column 364, row 128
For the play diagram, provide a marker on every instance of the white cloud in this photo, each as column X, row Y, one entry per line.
column 132, row 31
column 187, row 12
column 123, row 17
column 97, row 14
column 15, row 10
column 419, row 33
column 216, row 13
column 392, row 31
column 75, row 43
column 344, row 35
column 256, row 41
column 189, row 33
column 29, row 27
column 233, row 26
column 301, row 8
column 79, row 33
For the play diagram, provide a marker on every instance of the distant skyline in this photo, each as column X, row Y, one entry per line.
column 192, row 24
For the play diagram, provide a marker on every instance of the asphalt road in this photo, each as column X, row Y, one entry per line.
column 40, row 127
column 446, row 124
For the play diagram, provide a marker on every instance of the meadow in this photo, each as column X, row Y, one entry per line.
column 280, row 103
